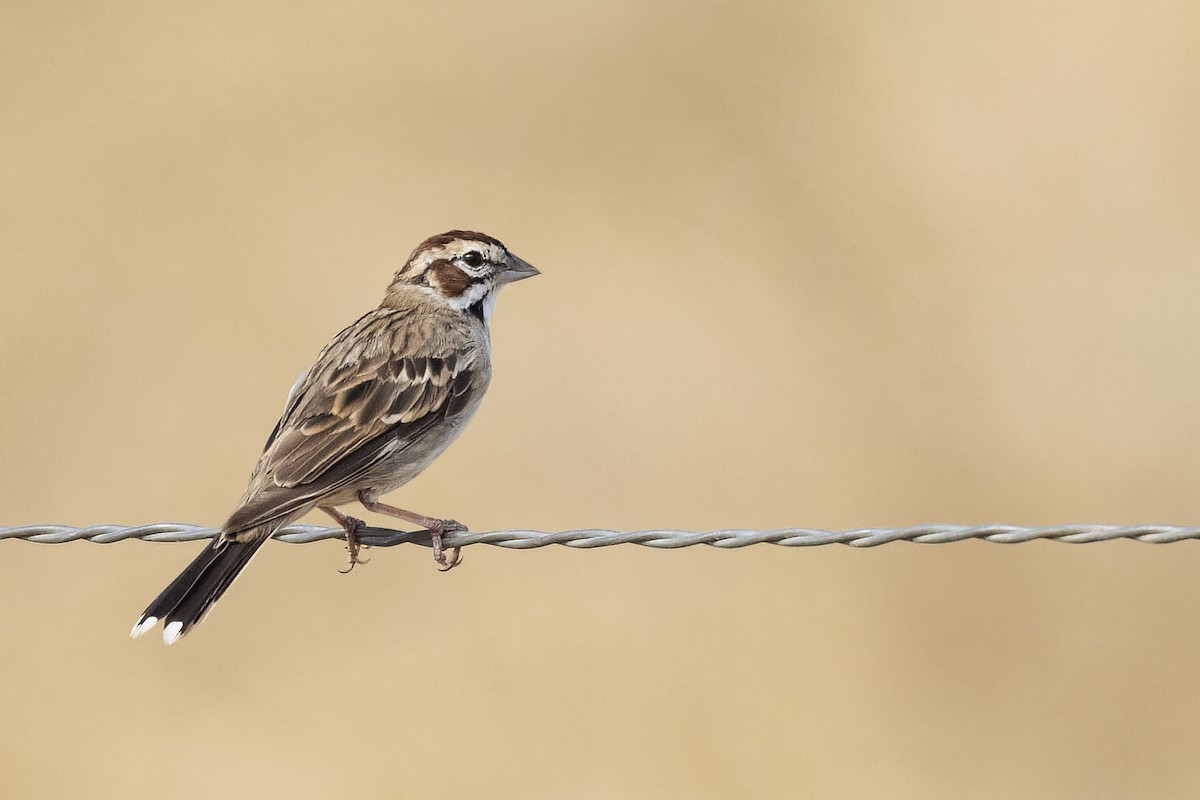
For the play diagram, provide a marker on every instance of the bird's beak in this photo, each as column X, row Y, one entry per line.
column 517, row 269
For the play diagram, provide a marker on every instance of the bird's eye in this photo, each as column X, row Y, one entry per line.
column 472, row 259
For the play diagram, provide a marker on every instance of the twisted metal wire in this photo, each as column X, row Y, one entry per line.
column 584, row 538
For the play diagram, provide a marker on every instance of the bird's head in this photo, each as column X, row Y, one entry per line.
column 463, row 268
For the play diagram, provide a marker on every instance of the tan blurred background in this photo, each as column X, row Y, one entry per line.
column 827, row 264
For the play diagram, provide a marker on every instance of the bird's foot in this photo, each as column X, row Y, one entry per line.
column 437, row 530
column 353, row 528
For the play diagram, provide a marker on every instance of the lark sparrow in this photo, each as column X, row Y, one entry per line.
column 382, row 401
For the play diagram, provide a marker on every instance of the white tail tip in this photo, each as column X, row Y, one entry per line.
column 172, row 632
column 142, row 625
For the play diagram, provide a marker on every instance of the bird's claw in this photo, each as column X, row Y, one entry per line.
column 354, row 545
column 445, row 565
column 436, row 531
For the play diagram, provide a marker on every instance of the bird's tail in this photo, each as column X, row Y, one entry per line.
column 190, row 596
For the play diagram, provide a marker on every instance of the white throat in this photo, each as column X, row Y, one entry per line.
column 483, row 293
column 489, row 307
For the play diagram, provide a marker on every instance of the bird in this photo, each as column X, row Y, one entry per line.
column 383, row 399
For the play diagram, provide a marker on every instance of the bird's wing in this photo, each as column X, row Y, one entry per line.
column 373, row 390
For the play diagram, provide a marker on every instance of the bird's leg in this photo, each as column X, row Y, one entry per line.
column 436, row 527
column 352, row 526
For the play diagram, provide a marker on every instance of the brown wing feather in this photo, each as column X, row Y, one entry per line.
column 359, row 389
column 362, row 395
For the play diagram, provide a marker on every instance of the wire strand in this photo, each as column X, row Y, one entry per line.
column 666, row 539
